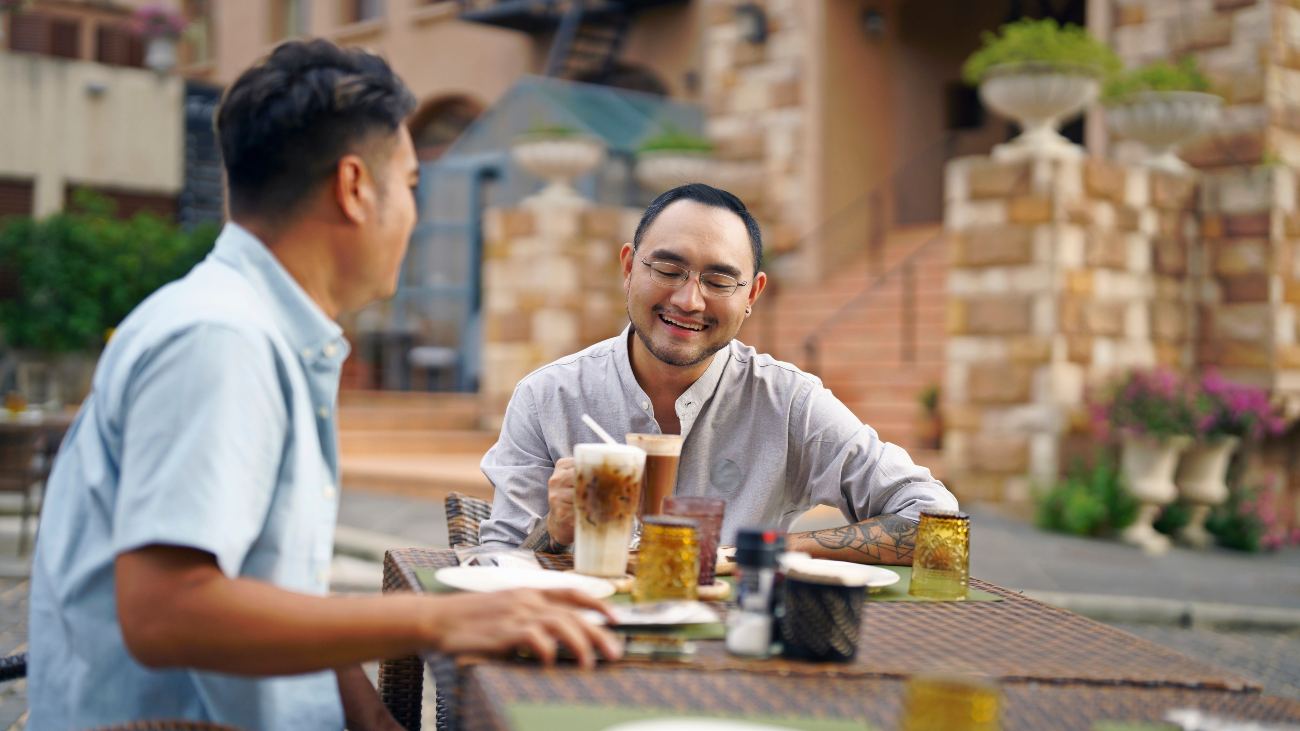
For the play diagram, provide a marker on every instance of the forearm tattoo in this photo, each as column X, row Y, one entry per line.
column 886, row 539
column 540, row 541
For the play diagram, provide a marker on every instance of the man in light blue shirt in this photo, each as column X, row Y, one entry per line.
column 186, row 538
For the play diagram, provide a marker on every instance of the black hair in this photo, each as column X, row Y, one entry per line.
column 286, row 122
column 709, row 196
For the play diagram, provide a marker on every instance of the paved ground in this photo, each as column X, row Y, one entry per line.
column 1004, row 550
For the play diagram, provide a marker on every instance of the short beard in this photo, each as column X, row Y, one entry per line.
column 668, row 359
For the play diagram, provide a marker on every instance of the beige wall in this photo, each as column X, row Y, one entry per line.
column 439, row 55
column 88, row 123
column 667, row 40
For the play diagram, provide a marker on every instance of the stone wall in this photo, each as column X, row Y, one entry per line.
column 551, row 287
column 1249, row 305
column 756, row 103
column 1062, row 274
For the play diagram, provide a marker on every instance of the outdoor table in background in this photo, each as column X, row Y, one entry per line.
column 1051, row 664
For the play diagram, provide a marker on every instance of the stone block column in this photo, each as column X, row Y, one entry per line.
column 1061, row 274
column 551, row 287
column 1249, row 305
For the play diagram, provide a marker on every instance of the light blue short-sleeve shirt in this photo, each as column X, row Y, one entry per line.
column 210, row 425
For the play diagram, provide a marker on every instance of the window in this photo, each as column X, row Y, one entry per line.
column 15, row 197
column 357, row 11
column 288, row 19
column 47, row 35
column 118, row 46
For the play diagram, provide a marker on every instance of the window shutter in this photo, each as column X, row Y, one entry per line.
column 15, row 198
column 65, row 38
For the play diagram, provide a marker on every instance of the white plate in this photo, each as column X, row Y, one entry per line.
column 496, row 578
column 695, row 724
column 873, row 577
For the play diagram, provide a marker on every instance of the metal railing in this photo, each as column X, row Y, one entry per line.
column 906, row 269
column 873, row 201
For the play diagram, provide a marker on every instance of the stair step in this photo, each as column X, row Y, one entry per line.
column 363, row 442
column 393, row 418
column 425, row 477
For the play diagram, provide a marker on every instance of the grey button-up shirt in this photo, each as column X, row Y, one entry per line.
column 759, row 433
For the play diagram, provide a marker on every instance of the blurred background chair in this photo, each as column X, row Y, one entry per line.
column 25, row 456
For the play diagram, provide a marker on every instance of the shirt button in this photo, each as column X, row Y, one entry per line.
column 323, row 412
column 306, row 352
column 329, row 350
column 329, row 491
column 645, row 405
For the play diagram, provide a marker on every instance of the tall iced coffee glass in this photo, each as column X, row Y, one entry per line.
column 606, row 497
column 663, row 451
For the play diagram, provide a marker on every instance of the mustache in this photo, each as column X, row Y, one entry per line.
column 661, row 310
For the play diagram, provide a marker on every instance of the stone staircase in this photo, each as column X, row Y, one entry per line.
column 860, row 355
column 412, row 443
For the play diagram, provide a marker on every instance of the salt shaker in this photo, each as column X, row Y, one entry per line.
column 750, row 625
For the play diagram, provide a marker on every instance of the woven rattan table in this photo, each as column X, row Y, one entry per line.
column 1041, row 654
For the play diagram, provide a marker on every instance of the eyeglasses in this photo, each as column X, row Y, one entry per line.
column 712, row 284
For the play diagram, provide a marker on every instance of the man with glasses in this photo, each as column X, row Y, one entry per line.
column 759, row 433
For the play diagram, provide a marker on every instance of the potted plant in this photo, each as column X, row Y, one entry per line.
column 558, row 154
column 160, row 26
column 1153, row 413
column 1226, row 414
column 929, row 427
column 1161, row 105
column 674, row 157
column 1039, row 74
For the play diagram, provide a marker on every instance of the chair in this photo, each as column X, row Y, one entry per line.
column 464, row 514
column 24, row 464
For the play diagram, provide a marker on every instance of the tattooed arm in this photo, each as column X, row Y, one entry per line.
column 884, row 539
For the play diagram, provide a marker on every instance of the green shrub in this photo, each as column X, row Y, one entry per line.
column 1040, row 42
column 675, row 139
column 1158, row 76
column 1237, row 524
column 1173, row 518
column 79, row 272
column 552, row 130
column 1089, row 501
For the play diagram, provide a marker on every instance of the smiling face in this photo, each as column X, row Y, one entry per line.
column 680, row 326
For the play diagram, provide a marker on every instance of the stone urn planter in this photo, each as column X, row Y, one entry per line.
column 660, row 170
column 559, row 160
column 1161, row 120
column 160, row 54
column 1202, row 483
column 1147, row 467
column 1039, row 98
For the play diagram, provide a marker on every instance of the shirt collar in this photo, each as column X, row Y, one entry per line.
column 694, row 397
column 314, row 336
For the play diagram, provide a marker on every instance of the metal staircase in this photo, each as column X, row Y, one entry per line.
column 587, row 38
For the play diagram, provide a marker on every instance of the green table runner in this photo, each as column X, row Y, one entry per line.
column 898, row 592
column 547, row 717
column 894, row 593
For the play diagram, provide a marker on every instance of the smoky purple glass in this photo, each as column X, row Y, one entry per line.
column 707, row 512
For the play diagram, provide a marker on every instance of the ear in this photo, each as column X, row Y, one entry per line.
column 354, row 189
column 755, row 289
column 627, row 258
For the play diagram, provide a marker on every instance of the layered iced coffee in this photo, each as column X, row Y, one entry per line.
column 607, row 494
column 663, row 452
